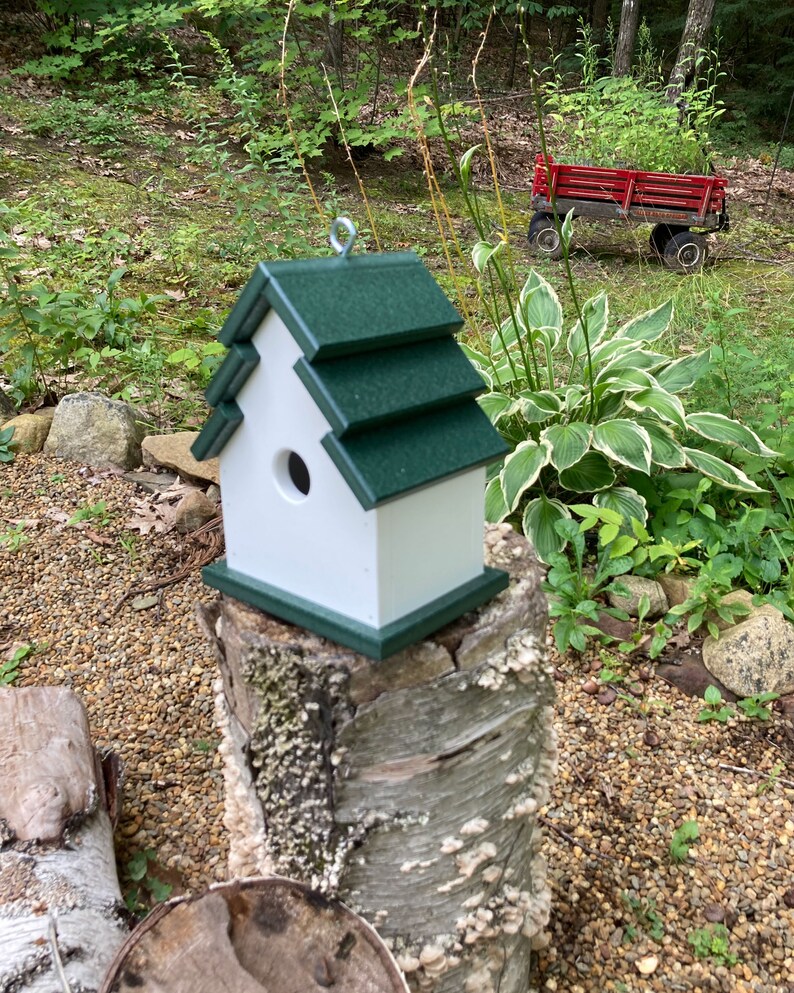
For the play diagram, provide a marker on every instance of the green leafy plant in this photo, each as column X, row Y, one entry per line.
column 14, row 537
column 716, row 708
column 706, row 603
column 572, row 589
column 771, row 780
column 755, row 706
column 96, row 513
column 587, row 410
column 712, row 942
column 682, row 840
column 646, row 915
column 148, row 888
column 7, row 453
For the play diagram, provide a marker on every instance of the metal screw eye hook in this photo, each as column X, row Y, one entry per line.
column 336, row 244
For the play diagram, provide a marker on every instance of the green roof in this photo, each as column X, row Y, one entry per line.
column 379, row 360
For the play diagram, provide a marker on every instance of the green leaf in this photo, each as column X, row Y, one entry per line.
column 648, row 326
column 566, row 230
column 626, row 501
column 115, row 276
column 495, row 506
column 483, row 252
column 683, row 373
column 568, row 443
column 718, row 427
column 465, row 165
column 624, row 441
column 522, row 468
column 540, row 517
column 593, row 323
column 540, row 305
column 590, row 474
column 539, row 406
column 495, row 405
column 667, row 406
column 712, row 696
column 721, row 472
column 665, row 450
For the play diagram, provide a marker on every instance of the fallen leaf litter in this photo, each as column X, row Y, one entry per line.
column 632, row 768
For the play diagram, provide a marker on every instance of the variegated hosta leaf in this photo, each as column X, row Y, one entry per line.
column 662, row 403
column 495, row 506
column 720, row 471
column 627, row 502
column 540, row 406
column 611, row 348
column 540, row 305
column 624, row 441
column 683, row 373
column 566, row 230
column 595, row 314
column 590, row 474
column 574, row 397
column 521, row 469
column 648, row 326
column 718, row 427
column 540, row 517
column 505, row 337
column 665, row 450
column 497, row 405
column 483, row 252
column 638, row 358
column 478, row 359
column 568, row 443
column 629, row 380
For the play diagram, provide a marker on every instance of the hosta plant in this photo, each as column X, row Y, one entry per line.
column 585, row 409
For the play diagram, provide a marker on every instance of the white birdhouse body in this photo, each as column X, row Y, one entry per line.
column 352, row 501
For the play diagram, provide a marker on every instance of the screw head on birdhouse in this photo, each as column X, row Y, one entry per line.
column 352, row 450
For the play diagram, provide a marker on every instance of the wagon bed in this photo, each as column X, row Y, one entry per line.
column 674, row 203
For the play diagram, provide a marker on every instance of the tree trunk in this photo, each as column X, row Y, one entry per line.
column 696, row 30
column 599, row 20
column 335, row 33
column 627, row 37
column 60, row 904
column 408, row 788
column 254, row 936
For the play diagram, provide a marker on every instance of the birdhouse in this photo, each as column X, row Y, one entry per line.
column 352, row 451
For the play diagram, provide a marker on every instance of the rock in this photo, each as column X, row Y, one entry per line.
column 639, row 586
column 173, row 452
column 692, row 677
column 755, row 656
column 614, row 628
column 676, row 588
column 193, row 511
column 7, row 408
column 90, row 428
column 214, row 493
column 30, row 432
column 151, row 482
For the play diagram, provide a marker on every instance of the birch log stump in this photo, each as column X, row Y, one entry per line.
column 60, row 921
column 407, row 788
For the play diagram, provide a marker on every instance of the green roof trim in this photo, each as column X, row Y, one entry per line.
column 363, row 391
column 376, row 643
column 222, row 424
column 394, row 460
column 235, row 369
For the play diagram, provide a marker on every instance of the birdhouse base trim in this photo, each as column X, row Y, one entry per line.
column 376, row 643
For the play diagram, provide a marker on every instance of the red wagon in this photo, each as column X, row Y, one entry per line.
column 674, row 203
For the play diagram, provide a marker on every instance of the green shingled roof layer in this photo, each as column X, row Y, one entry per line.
column 380, row 362
column 344, row 305
column 396, row 459
column 364, row 391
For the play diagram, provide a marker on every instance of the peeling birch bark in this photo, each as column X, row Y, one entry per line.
column 60, row 904
column 408, row 788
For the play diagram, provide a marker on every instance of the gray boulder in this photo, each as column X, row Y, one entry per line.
column 756, row 656
column 90, row 428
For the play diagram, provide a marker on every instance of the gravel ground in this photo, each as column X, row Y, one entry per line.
column 631, row 770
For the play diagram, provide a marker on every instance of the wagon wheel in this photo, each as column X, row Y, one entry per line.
column 685, row 252
column 662, row 233
column 544, row 237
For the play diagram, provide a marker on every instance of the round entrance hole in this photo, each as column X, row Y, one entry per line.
column 292, row 475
